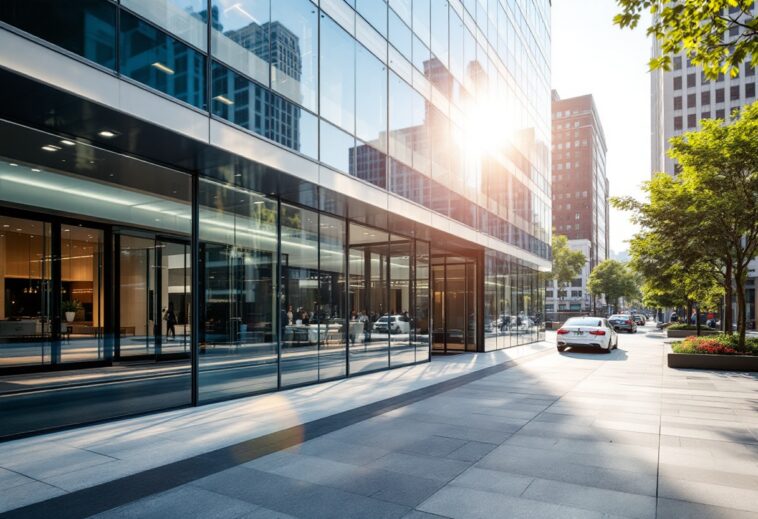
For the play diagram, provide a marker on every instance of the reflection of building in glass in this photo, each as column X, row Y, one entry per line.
column 279, row 46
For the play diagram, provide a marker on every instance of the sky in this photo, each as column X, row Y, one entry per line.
column 593, row 56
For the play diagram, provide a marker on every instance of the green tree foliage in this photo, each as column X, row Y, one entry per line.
column 614, row 279
column 698, row 27
column 702, row 225
column 567, row 263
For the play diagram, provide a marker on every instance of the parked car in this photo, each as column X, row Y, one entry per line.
column 623, row 322
column 639, row 319
column 395, row 324
column 587, row 331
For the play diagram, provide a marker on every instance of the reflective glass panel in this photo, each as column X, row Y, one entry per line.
column 154, row 58
column 334, row 325
column 299, row 296
column 402, row 350
column 85, row 27
column 186, row 19
column 421, row 318
column 375, row 13
column 337, row 148
column 82, row 294
column 371, row 99
column 240, row 36
column 368, row 290
column 25, row 292
column 337, row 75
column 238, row 333
column 294, row 51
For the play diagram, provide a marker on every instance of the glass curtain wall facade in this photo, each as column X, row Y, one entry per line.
column 442, row 102
column 153, row 288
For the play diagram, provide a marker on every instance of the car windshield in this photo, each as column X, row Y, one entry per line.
column 382, row 320
column 619, row 317
column 584, row 321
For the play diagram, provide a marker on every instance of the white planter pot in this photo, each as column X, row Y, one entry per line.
column 70, row 316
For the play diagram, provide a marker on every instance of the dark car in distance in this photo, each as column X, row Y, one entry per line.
column 623, row 323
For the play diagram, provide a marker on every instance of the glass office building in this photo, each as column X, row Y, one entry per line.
column 208, row 199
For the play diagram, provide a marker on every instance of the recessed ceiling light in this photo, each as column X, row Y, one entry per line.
column 163, row 68
column 50, row 147
column 224, row 100
column 106, row 133
column 35, row 170
column 258, row 202
column 6, row 225
column 68, row 142
column 13, row 164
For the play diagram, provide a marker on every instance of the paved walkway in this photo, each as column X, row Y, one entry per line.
column 560, row 435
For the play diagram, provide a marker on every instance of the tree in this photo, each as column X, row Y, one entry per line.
column 707, row 216
column 567, row 263
column 720, row 169
column 700, row 28
column 614, row 279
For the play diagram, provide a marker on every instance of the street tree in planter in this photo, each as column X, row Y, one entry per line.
column 720, row 170
column 567, row 263
column 704, row 221
column 614, row 279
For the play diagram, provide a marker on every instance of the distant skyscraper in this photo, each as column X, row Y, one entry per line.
column 580, row 190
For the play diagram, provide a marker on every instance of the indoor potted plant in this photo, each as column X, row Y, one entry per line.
column 70, row 308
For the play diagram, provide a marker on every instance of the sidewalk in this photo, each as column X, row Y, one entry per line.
column 43, row 467
column 573, row 435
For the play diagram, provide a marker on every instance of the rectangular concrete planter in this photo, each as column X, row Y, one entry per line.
column 680, row 334
column 718, row 362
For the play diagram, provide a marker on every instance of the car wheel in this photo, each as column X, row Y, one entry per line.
column 561, row 348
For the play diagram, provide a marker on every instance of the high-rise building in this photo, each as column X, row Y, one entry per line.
column 195, row 206
column 682, row 97
column 580, row 194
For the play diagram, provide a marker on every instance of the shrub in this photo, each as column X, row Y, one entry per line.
column 683, row 326
column 722, row 344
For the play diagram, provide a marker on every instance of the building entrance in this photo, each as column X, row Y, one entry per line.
column 154, row 279
column 453, row 304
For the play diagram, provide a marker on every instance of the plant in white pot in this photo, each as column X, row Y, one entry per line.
column 70, row 308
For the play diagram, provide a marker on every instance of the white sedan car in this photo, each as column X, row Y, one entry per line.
column 587, row 331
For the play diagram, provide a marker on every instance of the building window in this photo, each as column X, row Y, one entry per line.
column 720, row 114
column 293, row 51
column 734, row 93
column 240, row 36
column 691, row 80
column 749, row 70
column 691, row 100
column 705, row 115
column 337, row 75
column 719, row 95
column 152, row 57
column 677, row 63
column 678, row 103
column 705, row 97
column 691, row 121
column 749, row 89
column 678, row 83
column 85, row 27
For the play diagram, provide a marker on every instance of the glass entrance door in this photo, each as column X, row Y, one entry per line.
column 154, row 298
column 454, row 305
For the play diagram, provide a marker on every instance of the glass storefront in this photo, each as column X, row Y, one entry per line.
column 96, row 274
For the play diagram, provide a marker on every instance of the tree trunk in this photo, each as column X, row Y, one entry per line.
column 741, row 309
column 728, row 299
column 689, row 312
column 697, row 319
